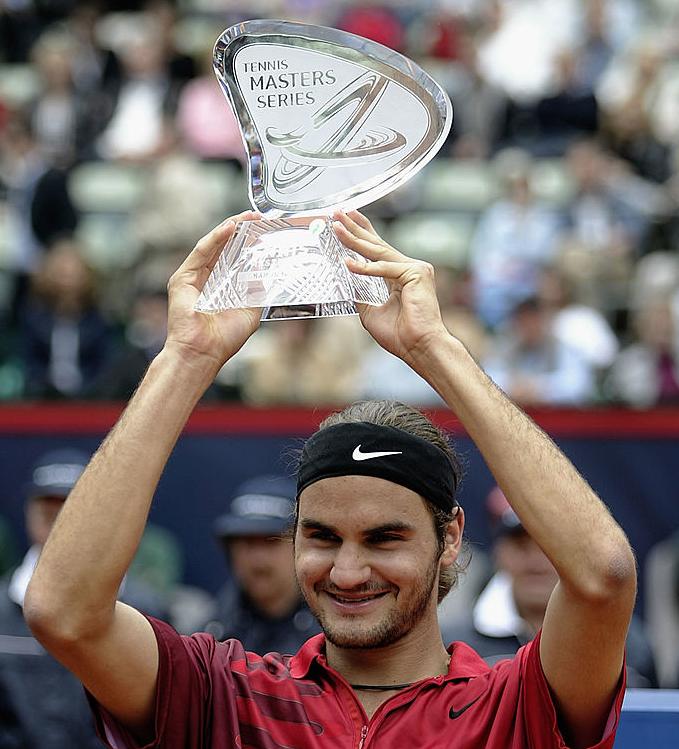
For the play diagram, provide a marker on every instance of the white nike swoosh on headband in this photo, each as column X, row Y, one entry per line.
column 358, row 455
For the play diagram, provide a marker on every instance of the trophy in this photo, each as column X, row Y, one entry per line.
column 329, row 120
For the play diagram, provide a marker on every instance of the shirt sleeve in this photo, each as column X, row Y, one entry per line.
column 183, row 695
column 537, row 708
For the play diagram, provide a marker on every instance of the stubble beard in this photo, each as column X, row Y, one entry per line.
column 393, row 626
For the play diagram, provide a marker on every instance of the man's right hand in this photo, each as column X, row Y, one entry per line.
column 207, row 339
column 71, row 602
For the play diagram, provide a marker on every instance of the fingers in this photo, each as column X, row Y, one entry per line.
column 357, row 224
column 208, row 249
column 370, row 248
column 363, row 221
column 356, row 232
column 387, row 269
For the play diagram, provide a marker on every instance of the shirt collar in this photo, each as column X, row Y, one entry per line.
column 465, row 662
column 311, row 651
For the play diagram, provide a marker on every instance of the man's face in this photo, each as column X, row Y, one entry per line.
column 367, row 560
column 264, row 568
column 533, row 575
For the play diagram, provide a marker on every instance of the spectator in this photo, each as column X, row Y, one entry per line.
column 95, row 69
column 579, row 326
column 616, row 21
column 310, row 362
column 661, row 573
column 646, row 373
column 534, row 367
column 137, row 130
column 377, row 22
column 144, row 337
column 164, row 221
column 45, row 702
column 65, row 340
column 39, row 207
column 261, row 604
column 605, row 225
column 646, row 73
column 58, row 114
column 180, row 67
column 437, row 34
column 630, row 137
column 384, row 376
column 78, row 83
column 511, row 608
column 154, row 581
column 664, row 107
column 628, row 125
column 632, row 72
column 567, row 112
column 597, row 48
column 656, row 276
column 540, row 29
column 206, row 120
column 515, row 237
column 479, row 124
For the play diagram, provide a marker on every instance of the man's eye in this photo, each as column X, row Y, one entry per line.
column 322, row 536
column 385, row 538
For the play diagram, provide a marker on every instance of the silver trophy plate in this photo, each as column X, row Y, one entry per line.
column 329, row 120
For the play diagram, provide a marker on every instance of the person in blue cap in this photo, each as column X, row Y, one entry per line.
column 261, row 604
column 511, row 608
column 42, row 705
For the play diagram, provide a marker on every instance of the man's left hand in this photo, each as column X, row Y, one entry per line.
column 410, row 321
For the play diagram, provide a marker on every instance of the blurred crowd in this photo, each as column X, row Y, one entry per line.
column 551, row 212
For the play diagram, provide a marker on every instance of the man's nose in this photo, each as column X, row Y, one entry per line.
column 349, row 568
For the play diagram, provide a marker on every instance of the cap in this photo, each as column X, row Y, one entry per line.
column 55, row 473
column 503, row 519
column 262, row 506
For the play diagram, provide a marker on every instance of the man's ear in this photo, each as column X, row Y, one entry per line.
column 453, row 540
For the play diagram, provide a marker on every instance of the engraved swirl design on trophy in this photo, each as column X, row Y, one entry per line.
column 299, row 165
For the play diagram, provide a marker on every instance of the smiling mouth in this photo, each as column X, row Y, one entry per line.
column 354, row 600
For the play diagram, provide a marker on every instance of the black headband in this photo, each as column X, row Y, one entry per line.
column 364, row 449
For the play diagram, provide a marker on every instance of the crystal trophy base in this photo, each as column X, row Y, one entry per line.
column 292, row 268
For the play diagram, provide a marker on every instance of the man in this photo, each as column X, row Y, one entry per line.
column 533, row 366
column 41, row 704
column 378, row 531
column 510, row 610
column 261, row 605
column 47, row 702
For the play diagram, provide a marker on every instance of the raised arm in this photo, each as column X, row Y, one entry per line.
column 583, row 637
column 71, row 602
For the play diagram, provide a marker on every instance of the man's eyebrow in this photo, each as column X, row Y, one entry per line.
column 396, row 526
column 316, row 525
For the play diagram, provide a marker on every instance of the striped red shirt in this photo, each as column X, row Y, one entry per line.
column 214, row 695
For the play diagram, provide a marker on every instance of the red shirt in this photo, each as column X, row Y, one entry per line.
column 215, row 695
